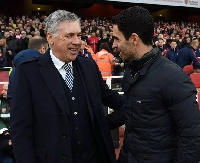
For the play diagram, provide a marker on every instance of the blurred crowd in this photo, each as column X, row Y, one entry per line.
column 15, row 31
column 177, row 41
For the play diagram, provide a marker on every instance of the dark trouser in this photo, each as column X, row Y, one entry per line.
column 92, row 155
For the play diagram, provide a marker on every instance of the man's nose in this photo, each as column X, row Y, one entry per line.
column 76, row 40
column 114, row 44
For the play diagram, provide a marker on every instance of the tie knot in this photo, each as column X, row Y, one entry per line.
column 67, row 66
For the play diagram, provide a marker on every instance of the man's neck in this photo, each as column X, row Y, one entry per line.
column 143, row 49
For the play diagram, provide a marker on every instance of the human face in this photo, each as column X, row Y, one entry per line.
column 4, row 91
column 6, row 34
column 66, row 44
column 93, row 34
column 17, row 32
column 104, row 36
column 177, row 37
column 160, row 43
column 126, row 47
column 188, row 40
column 83, row 45
column 23, row 33
column 195, row 46
column 173, row 45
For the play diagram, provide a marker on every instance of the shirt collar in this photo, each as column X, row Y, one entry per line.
column 58, row 63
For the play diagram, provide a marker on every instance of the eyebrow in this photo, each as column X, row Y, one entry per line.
column 73, row 33
column 115, row 37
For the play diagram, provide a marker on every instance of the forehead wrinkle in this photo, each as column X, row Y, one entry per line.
column 68, row 25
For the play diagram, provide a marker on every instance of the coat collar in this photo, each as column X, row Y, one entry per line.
column 88, row 82
column 136, row 68
column 141, row 65
column 51, row 77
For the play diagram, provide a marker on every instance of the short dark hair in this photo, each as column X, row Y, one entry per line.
column 37, row 42
column 135, row 20
column 105, row 46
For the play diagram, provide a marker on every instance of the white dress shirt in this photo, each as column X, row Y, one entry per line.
column 59, row 64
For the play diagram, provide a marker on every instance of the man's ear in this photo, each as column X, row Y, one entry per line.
column 134, row 38
column 49, row 38
column 42, row 50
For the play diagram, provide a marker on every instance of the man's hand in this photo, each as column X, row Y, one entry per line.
column 9, row 142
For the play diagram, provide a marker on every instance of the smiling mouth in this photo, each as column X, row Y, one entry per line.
column 73, row 49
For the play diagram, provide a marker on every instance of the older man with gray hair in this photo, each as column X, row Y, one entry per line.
column 57, row 114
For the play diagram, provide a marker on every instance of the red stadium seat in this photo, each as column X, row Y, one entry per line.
column 4, row 76
column 188, row 69
column 195, row 77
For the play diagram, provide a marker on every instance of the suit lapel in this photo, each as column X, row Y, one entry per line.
column 88, row 82
column 52, row 79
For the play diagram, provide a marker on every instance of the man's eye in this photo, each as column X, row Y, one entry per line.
column 115, row 38
column 70, row 36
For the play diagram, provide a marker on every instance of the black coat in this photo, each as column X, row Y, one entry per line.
column 22, row 44
column 40, row 112
column 12, row 42
column 163, row 118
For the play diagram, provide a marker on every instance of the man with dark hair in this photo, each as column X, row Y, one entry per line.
column 172, row 53
column 162, row 115
column 84, row 36
column 22, row 43
column 178, row 41
column 160, row 45
column 6, row 51
column 10, row 41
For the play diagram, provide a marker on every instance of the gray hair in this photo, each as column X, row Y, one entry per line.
column 53, row 20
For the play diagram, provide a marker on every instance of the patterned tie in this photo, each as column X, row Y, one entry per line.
column 69, row 76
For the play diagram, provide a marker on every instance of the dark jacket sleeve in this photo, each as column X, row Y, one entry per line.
column 194, row 59
column 113, row 100
column 109, row 97
column 116, row 119
column 179, row 94
column 21, row 120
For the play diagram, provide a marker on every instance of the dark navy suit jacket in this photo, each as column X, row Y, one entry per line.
column 40, row 112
